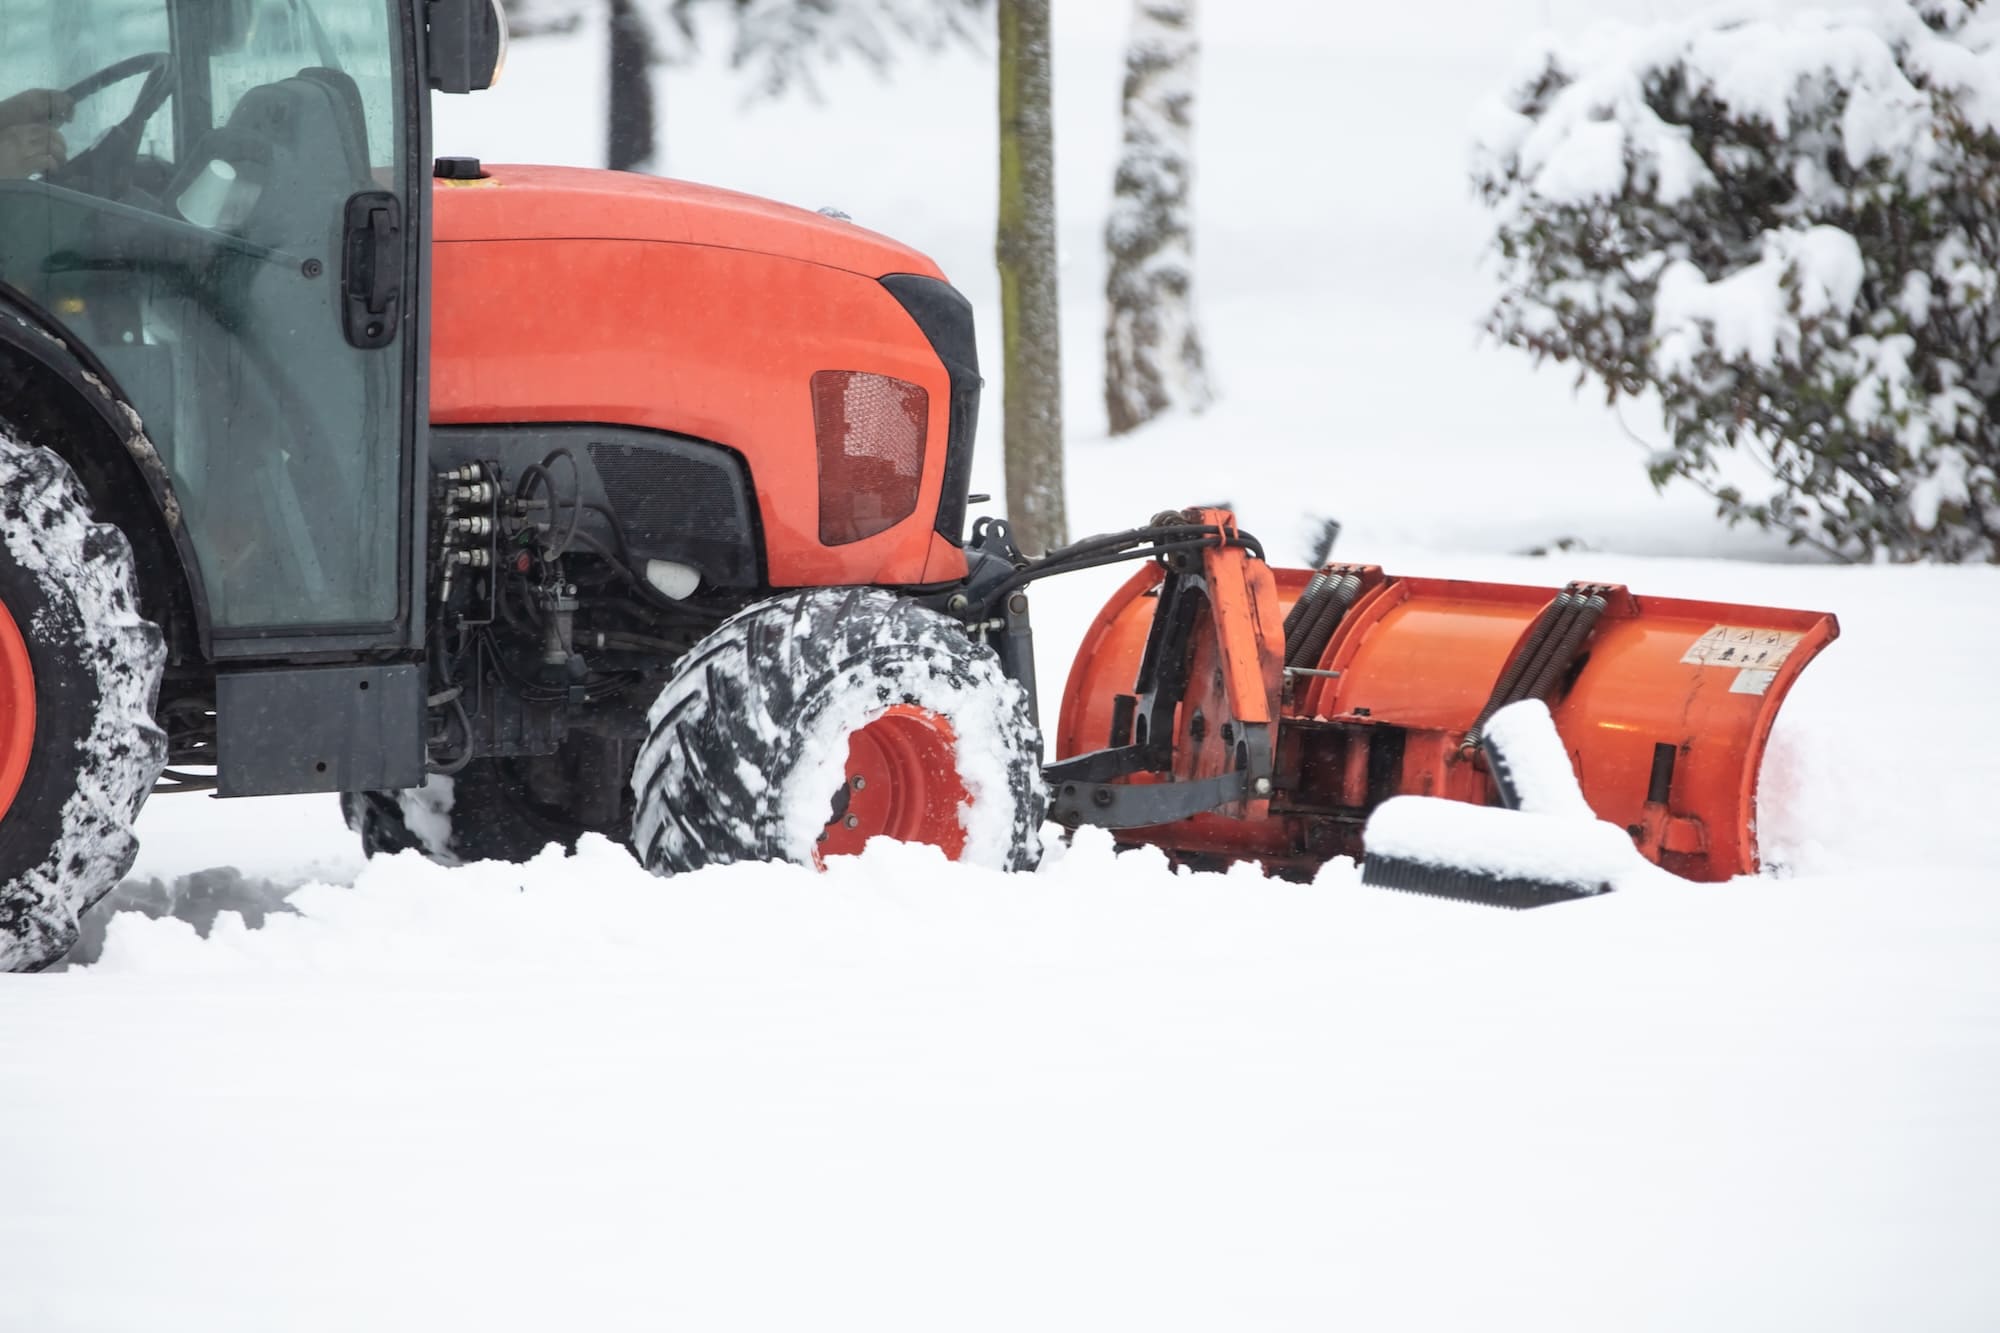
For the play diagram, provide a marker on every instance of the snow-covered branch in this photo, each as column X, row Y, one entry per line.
column 1789, row 228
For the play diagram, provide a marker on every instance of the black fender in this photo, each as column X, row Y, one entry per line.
column 60, row 396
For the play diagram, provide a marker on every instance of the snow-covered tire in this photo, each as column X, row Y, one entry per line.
column 481, row 814
column 754, row 746
column 77, row 650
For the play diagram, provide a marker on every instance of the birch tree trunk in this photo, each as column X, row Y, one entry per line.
column 1153, row 362
column 1026, row 251
column 632, row 143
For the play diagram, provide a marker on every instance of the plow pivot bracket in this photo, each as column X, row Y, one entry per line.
column 1143, row 804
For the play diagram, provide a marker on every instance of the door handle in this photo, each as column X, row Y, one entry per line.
column 372, row 268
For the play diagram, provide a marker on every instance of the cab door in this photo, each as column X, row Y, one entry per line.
column 227, row 211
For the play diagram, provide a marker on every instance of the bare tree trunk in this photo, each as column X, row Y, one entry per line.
column 632, row 145
column 1026, row 250
column 1153, row 360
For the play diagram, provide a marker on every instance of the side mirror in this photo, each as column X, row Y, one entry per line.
column 467, row 44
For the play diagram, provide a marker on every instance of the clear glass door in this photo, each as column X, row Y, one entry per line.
column 208, row 194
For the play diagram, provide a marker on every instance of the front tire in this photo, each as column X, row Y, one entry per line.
column 79, row 678
column 807, row 724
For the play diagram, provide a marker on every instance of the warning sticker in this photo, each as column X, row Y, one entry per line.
column 1739, row 646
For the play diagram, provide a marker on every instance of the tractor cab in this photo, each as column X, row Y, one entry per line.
column 220, row 203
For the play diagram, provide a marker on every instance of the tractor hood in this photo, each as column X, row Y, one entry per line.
column 514, row 203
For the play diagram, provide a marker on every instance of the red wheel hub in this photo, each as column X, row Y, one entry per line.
column 17, row 709
column 902, row 782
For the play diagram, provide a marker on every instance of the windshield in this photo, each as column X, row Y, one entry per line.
column 204, row 58
column 57, row 44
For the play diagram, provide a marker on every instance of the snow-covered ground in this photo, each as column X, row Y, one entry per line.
column 909, row 1095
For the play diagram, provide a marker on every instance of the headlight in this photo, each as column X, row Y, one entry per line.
column 870, row 431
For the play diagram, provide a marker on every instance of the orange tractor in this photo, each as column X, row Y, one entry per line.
column 517, row 503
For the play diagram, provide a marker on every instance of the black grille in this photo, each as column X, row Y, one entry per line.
column 679, row 501
column 674, row 498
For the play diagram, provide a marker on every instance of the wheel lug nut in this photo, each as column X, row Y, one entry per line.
column 859, row 782
column 852, row 821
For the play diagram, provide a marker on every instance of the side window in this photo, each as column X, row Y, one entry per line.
column 285, row 36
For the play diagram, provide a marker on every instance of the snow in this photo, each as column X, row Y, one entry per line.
column 427, row 813
column 1769, row 66
column 1541, row 771
column 1755, row 312
column 894, row 1097
column 906, row 1095
column 1586, row 856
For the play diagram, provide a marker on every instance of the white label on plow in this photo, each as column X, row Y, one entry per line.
column 1752, row 680
column 1739, row 646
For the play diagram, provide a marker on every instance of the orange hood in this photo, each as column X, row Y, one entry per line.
column 568, row 203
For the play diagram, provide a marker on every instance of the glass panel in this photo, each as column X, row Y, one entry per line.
column 185, row 218
column 288, row 35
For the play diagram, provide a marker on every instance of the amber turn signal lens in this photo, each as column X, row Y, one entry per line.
column 870, row 430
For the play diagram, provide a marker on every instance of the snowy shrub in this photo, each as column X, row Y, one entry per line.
column 1788, row 228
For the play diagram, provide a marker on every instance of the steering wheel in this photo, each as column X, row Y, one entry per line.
column 99, row 167
column 146, row 62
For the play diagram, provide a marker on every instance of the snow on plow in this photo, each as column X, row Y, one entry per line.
column 1221, row 709
column 1542, row 844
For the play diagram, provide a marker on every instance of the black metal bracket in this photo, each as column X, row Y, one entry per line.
column 1085, row 790
column 1138, row 805
column 1015, row 646
column 1005, row 568
column 996, row 536
column 1103, row 765
column 1082, row 789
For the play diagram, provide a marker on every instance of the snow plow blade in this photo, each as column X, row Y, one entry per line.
column 1224, row 710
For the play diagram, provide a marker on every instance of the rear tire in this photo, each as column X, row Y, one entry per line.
column 79, row 678
column 755, row 744
column 483, row 813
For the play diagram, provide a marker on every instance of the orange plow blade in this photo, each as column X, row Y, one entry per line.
column 1299, row 701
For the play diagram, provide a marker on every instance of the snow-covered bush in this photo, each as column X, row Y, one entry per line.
column 1788, row 227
